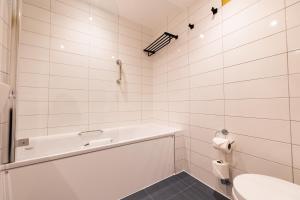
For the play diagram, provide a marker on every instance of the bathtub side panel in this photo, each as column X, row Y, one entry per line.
column 2, row 190
column 109, row 174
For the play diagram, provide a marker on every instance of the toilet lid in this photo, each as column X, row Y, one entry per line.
column 260, row 187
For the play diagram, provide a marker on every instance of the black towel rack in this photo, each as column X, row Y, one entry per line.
column 159, row 43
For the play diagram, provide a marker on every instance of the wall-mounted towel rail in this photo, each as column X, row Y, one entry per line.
column 159, row 43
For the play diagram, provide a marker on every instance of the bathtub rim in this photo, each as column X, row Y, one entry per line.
column 54, row 157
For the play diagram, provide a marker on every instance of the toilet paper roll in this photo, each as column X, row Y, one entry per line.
column 220, row 169
column 222, row 144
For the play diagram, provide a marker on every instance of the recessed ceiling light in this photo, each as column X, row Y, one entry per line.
column 112, row 57
column 201, row 36
column 91, row 18
column 62, row 46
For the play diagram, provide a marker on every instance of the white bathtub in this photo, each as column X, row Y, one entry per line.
column 96, row 165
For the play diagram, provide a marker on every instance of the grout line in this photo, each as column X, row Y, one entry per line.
column 289, row 94
column 48, row 89
column 223, row 75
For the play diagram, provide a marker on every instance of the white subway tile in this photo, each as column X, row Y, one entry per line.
column 35, row 53
column 178, row 73
column 69, row 47
column 253, row 13
column 32, row 94
column 294, row 85
column 261, row 88
column 290, row 2
column 35, row 26
column 69, row 11
column 208, row 107
column 32, row 122
column 294, row 62
column 57, row 82
column 281, row 152
column 34, row 39
column 203, row 134
column 39, row 3
column 292, row 15
column 206, row 51
column 180, row 106
column 202, row 161
column 295, row 108
column 207, row 121
column 295, row 132
column 297, row 176
column 31, row 133
column 269, row 46
column 33, row 80
column 236, row 6
column 68, row 95
column 267, row 67
column 109, row 117
column 204, row 149
column 68, row 70
column 67, row 34
column 206, row 65
column 251, row 164
column 68, row 58
column 207, row 93
column 263, row 28
column 205, row 38
column 32, row 108
column 277, row 108
column 33, row 66
column 207, row 79
column 67, row 120
column 67, row 107
column 278, row 130
column 183, row 118
column 35, row 12
column 296, row 156
column 293, row 38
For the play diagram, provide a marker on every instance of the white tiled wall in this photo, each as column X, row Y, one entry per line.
column 5, row 14
column 237, row 70
column 67, row 69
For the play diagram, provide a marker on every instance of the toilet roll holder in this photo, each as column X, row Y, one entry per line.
column 223, row 133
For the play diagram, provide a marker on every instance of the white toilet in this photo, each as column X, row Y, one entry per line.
column 260, row 187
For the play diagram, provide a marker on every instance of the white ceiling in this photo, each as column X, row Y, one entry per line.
column 151, row 13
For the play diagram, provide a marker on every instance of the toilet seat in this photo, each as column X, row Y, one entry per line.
column 260, row 187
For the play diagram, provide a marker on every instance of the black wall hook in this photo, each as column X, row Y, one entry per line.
column 192, row 26
column 214, row 10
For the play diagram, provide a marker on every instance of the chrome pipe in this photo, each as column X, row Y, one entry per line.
column 14, row 44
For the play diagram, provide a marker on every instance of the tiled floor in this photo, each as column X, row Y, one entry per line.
column 179, row 187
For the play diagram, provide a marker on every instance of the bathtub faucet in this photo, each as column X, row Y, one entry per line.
column 92, row 131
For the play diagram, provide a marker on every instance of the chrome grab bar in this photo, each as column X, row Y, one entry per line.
column 87, row 132
column 119, row 63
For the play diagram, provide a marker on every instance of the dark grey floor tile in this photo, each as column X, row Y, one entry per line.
column 193, row 194
column 141, row 195
column 205, row 192
column 180, row 196
column 179, row 187
column 166, row 188
column 186, row 178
